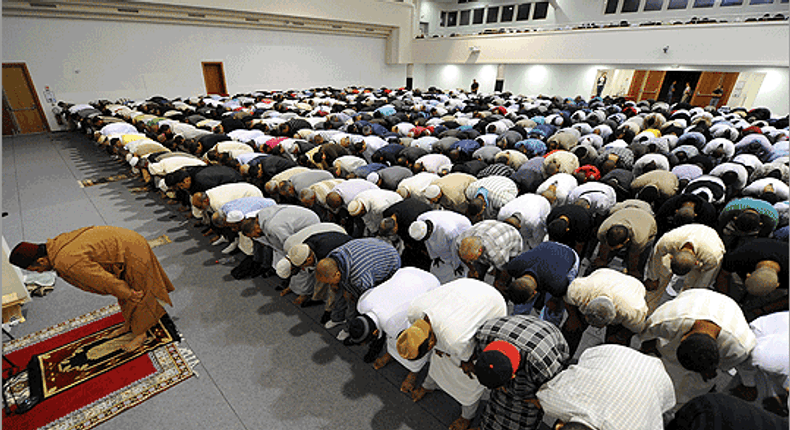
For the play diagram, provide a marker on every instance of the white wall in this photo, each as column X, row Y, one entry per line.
column 563, row 13
column 83, row 60
column 570, row 80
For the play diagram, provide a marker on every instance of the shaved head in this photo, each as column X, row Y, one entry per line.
column 327, row 271
column 333, row 200
column 683, row 262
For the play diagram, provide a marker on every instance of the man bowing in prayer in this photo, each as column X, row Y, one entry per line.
column 109, row 261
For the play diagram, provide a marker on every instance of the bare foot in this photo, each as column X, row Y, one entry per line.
column 460, row 424
column 285, row 292
column 408, row 384
column 418, row 393
column 299, row 300
column 382, row 361
column 118, row 331
column 135, row 343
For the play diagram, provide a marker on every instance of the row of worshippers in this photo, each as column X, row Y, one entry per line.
column 683, row 223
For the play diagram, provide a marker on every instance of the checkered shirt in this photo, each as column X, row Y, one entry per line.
column 501, row 242
column 544, row 353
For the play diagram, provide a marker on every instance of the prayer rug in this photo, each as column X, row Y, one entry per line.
column 87, row 380
column 161, row 240
column 90, row 182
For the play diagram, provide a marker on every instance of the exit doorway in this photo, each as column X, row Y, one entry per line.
column 214, row 77
column 22, row 112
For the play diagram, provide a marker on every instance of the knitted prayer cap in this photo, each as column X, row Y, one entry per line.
column 418, row 230
column 283, row 268
column 298, row 254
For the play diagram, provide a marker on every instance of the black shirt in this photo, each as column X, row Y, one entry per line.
column 717, row 411
column 580, row 223
column 323, row 243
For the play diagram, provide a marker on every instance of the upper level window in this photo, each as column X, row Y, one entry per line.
column 541, row 10
column 678, row 4
column 630, row 6
column 703, row 3
column 442, row 19
column 731, row 2
column 452, row 18
column 477, row 17
column 464, row 17
column 651, row 5
column 493, row 14
column 507, row 13
column 611, row 6
column 761, row 1
column 523, row 12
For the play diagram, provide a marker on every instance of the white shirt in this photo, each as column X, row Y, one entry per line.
column 222, row 194
column 447, row 225
column 376, row 201
column 611, row 388
column 771, row 354
column 171, row 164
column 674, row 319
column 349, row 189
column 435, row 162
column 532, row 210
column 601, row 196
column 564, row 182
column 415, row 185
column 388, row 304
column 626, row 292
column 708, row 248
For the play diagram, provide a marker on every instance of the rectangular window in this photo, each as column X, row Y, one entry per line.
column 677, row 4
column 630, row 6
column 493, row 15
column 703, row 3
column 652, row 5
column 464, row 17
column 611, row 6
column 507, row 13
column 541, row 10
column 731, row 2
column 523, row 12
column 761, row 1
column 452, row 18
column 442, row 19
column 477, row 17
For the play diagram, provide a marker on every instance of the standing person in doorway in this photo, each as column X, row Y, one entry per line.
column 109, row 261
column 686, row 93
column 600, row 84
column 671, row 92
column 475, row 86
column 717, row 93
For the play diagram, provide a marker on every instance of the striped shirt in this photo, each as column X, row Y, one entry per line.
column 497, row 191
column 543, row 352
column 501, row 242
column 365, row 263
column 612, row 387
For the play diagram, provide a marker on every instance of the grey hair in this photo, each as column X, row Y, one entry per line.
column 600, row 311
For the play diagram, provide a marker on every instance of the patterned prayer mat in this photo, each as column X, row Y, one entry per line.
column 84, row 379
column 90, row 182
column 161, row 240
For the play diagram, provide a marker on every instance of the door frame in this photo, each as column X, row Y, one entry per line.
column 33, row 90
column 203, row 65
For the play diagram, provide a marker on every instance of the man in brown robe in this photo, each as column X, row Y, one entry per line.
column 109, row 261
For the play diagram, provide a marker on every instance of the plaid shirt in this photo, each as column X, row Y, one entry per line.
column 543, row 351
column 501, row 242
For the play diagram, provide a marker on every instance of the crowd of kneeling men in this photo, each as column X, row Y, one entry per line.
column 606, row 263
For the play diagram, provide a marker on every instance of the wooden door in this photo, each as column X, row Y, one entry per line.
column 637, row 82
column 652, row 85
column 709, row 82
column 21, row 101
column 214, row 77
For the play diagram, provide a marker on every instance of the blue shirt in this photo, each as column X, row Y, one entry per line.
column 365, row 263
column 550, row 263
column 247, row 204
